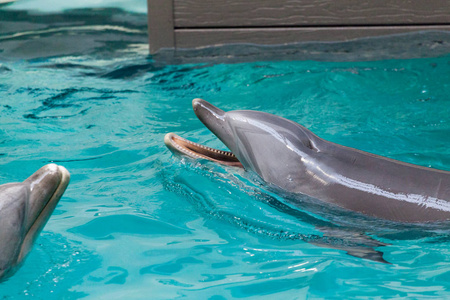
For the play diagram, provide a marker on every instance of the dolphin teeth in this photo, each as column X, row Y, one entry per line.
column 183, row 146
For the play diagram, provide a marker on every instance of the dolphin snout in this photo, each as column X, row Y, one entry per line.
column 46, row 187
column 43, row 185
column 206, row 111
column 196, row 103
column 214, row 118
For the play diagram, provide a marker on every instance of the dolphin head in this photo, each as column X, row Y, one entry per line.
column 24, row 210
column 273, row 147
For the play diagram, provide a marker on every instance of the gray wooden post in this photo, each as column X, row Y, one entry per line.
column 160, row 25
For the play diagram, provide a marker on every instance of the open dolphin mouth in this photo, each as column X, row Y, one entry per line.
column 210, row 116
column 179, row 145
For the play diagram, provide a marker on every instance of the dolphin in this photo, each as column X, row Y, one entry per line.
column 24, row 210
column 292, row 159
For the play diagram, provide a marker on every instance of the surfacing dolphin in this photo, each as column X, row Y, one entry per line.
column 24, row 210
column 289, row 157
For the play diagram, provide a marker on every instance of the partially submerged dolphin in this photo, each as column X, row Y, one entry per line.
column 289, row 157
column 24, row 210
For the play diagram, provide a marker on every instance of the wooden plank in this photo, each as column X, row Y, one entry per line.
column 420, row 44
column 255, row 13
column 194, row 38
column 160, row 24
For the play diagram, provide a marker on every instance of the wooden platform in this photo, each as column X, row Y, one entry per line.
column 187, row 24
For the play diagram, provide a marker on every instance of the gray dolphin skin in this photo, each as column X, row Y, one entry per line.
column 24, row 210
column 289, row 157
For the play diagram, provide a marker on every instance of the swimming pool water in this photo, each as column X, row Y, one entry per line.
column 137, row 222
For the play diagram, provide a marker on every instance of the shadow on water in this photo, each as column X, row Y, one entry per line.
column 127, row 72
column 352, row 240
column 70, row 102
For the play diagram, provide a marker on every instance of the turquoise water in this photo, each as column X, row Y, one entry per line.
column 137, row 222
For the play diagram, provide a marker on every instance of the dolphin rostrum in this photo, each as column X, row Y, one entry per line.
column 289, row 157
column 24, row 210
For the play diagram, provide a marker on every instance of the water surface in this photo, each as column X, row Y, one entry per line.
column 137, row 222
